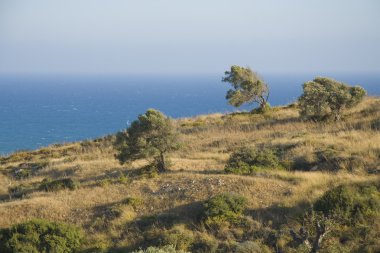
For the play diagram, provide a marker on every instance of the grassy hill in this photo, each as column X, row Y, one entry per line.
column 122, row 208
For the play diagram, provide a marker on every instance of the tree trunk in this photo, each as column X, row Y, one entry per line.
column 161, row 163
column 263, row 102
column 322, row 230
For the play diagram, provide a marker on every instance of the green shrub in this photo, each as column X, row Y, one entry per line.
column 148, row 171
column 350, row 202
column 223, row 207
column 204, row 244
column 134, row 202
column 38, row 236
column 165, row 249
column 178, row 236
column 57, row 185
column 248, row 161
column 25, row 170
column 260, row 110
column 104, row 182
column 20, row 173
column 21, row 190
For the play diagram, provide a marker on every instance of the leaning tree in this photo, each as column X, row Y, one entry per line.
column 150, row 137
column 247, row 87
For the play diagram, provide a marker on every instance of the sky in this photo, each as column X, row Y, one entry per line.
column 188, row 37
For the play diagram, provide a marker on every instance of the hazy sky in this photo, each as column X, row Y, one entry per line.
column 197, row 36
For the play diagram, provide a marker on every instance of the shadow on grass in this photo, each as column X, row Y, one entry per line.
column 144, row 226
column 278, row 215
column 54, row 174
column 4, row 197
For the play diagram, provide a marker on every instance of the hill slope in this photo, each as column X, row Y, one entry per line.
column 123, row 207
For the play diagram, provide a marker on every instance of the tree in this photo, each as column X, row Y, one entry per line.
column 325, row 98
column 152, row 135
column 248, row 87
column 313, row 232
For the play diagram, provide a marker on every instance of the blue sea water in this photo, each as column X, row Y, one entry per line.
column 37, row 111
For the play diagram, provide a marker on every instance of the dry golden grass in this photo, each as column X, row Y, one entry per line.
column 196, row 169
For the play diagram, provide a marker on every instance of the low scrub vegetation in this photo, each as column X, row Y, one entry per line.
column 248, row 161
column 179, row 236
column 351, row 203
column 224, row 207
column 57, row 185
column 37, row 236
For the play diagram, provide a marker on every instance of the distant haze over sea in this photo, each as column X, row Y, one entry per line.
column 38, row 111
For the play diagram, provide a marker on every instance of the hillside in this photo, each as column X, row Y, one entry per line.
column 122, row 208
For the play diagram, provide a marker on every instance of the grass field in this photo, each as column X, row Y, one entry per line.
column 112, row 200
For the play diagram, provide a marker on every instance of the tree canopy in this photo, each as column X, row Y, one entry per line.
column 151, row 136
column 325, row 98
column 247, row 87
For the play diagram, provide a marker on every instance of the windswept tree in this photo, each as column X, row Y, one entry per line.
column 151, row 136
column 248, row 87
column 325, row 98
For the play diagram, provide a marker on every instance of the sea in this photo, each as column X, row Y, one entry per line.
column 40, row 110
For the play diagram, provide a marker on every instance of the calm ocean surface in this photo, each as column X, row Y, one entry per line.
column 37, row 111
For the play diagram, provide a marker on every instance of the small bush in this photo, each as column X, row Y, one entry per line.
column 21, row 190
column 261, row 110
column 248, row 161
column 104, row 182
column 165, row 249
column 204, row 244
column 148, row 171
column 178, row 236
column 134, row 202
column 57, row 185
column 37, row 236
column 223, row 207
column 25, row 170
column 20, row 173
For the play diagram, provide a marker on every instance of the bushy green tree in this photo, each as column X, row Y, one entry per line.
column 325, row 97
column 152, row 135
column 40, row 236
column 248, row 87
